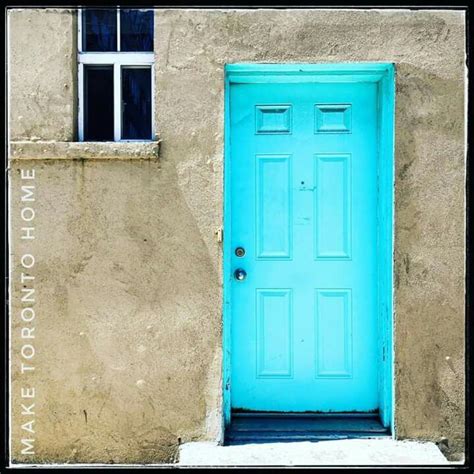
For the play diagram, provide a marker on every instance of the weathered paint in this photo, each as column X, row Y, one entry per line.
column 100, row 223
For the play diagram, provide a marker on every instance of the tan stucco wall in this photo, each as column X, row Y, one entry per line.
column 128, row 269
column 42, row 46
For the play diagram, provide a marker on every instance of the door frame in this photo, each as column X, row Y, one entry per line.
column 384, row 75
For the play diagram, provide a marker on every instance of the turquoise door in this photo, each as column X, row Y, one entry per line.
column 303, row 246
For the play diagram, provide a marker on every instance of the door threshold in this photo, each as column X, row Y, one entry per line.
column 272, row 427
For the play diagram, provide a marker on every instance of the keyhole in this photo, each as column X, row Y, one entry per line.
column 240, row 251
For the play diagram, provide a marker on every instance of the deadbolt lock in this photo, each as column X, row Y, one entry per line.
column 240, row 251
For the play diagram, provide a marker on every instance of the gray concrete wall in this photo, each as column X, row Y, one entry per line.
column 128, row 270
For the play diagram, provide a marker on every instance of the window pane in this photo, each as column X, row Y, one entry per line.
column 136, row 30
column 98, row 103
column 136, row 103
column 100, row 29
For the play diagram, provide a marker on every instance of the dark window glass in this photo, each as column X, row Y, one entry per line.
column 136, row 30
column 136, row 103
column 100, row 29
column 99, row 103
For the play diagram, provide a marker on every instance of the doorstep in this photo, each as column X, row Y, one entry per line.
column 345, row 452
column 264, row 427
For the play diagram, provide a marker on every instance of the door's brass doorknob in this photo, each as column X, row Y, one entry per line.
column 240, row 274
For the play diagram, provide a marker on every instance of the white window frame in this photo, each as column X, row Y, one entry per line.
column 117, row 59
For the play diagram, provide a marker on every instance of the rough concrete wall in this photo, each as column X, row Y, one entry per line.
column 130, row 271
column 125, row 327
column 42, row 74
column 430, row 249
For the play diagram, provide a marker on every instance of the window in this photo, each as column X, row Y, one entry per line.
column 115, row 74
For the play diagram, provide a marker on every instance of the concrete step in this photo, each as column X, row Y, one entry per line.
column 289, row 427
column 349, row 452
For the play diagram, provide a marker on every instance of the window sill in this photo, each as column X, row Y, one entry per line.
column 52, row 150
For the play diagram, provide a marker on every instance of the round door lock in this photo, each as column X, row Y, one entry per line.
column 240, row 251
column 240, row 274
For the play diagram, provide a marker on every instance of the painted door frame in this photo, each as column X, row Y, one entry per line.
column 384, row 75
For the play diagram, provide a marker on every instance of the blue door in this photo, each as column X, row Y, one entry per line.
column 303, row 263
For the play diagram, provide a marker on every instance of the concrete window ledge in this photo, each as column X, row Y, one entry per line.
column 53, row 150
